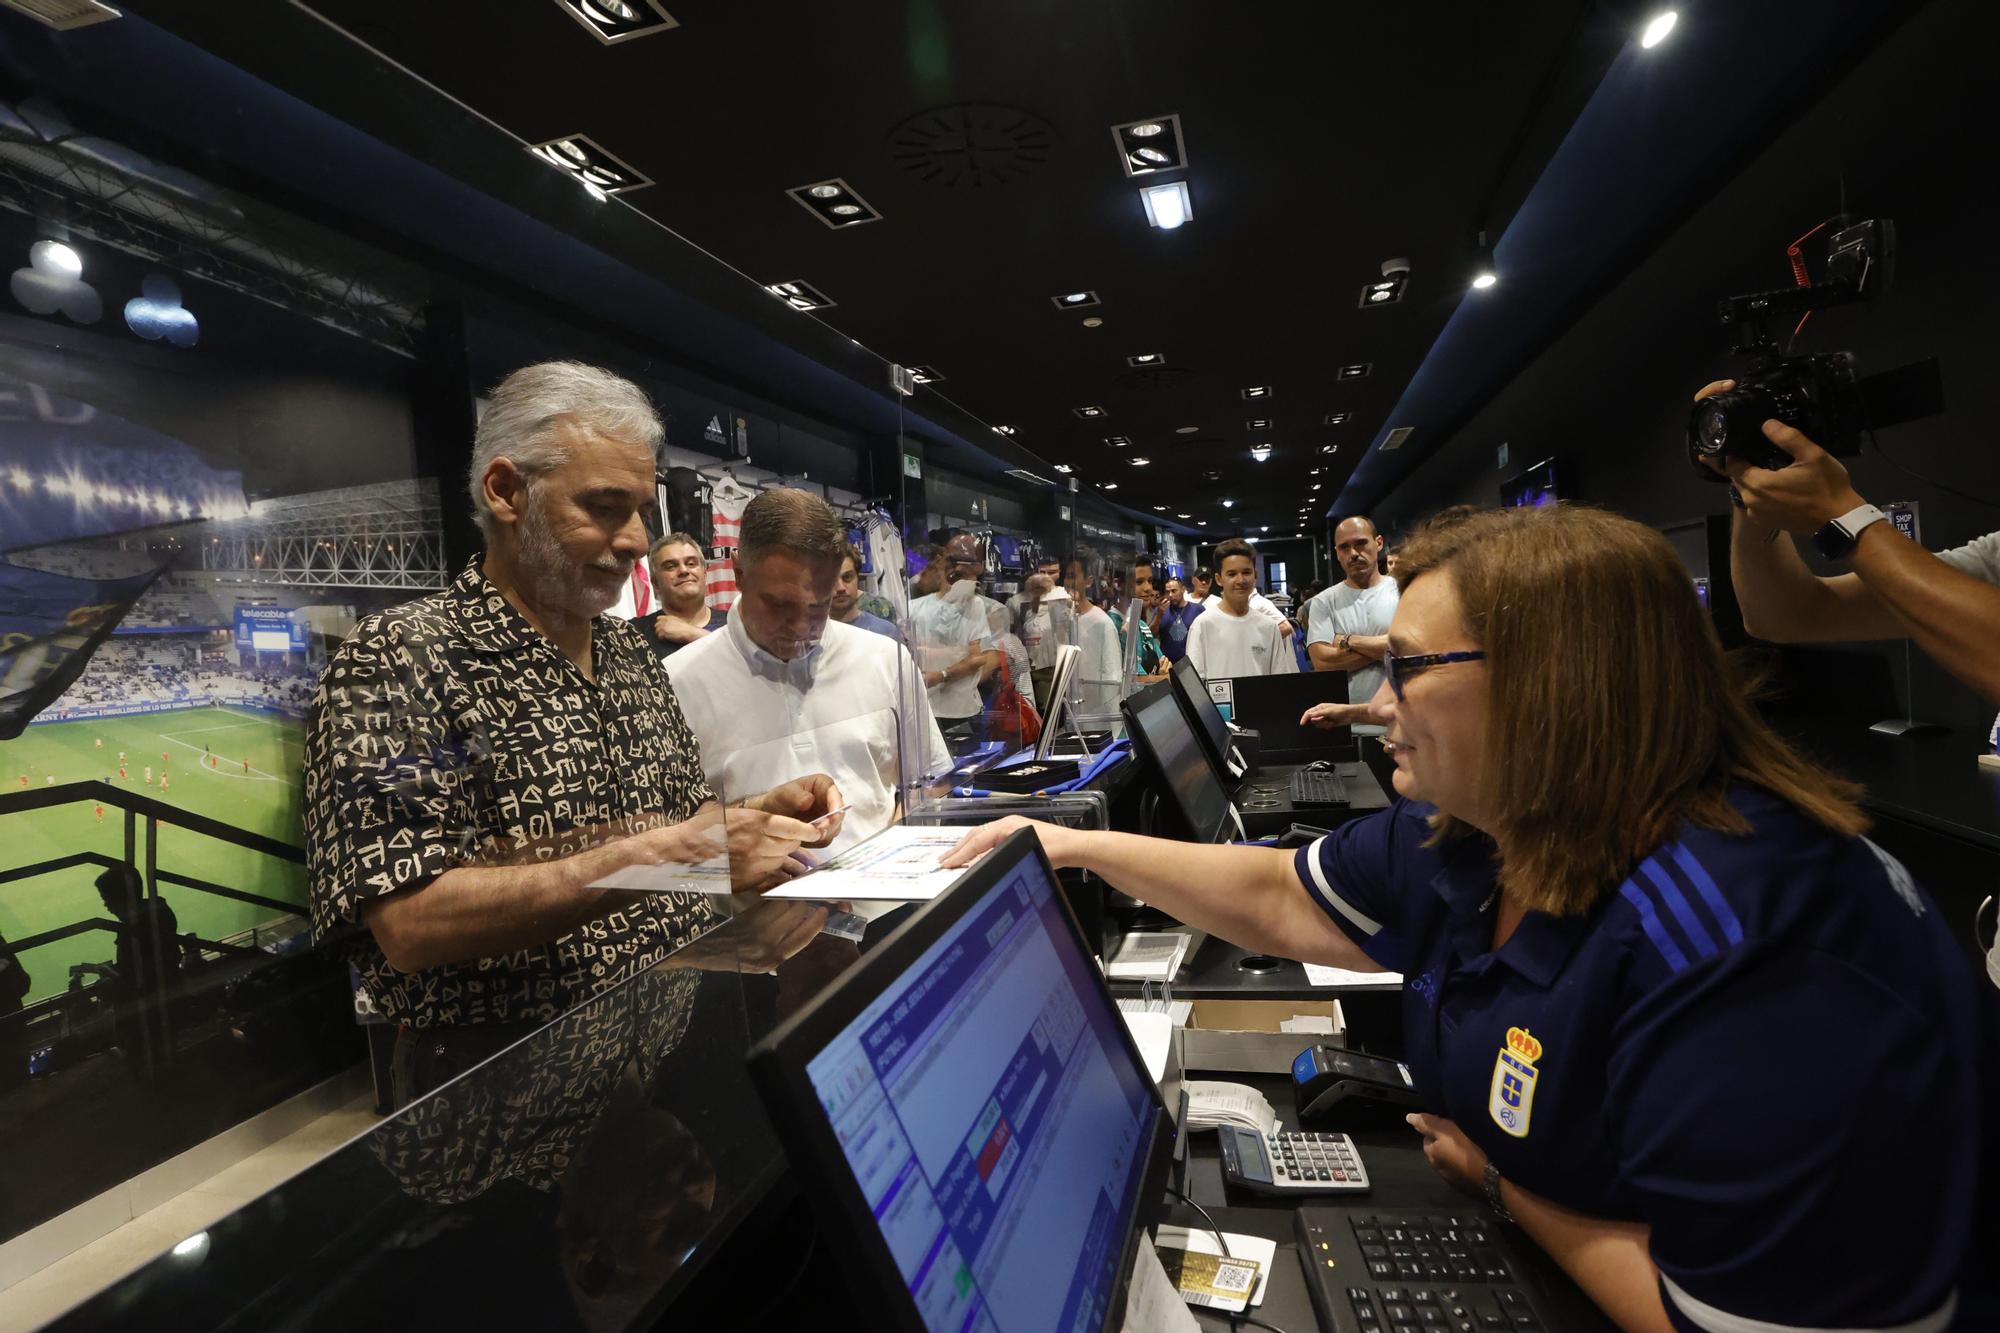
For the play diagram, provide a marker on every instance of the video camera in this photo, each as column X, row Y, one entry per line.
column 1820, row 394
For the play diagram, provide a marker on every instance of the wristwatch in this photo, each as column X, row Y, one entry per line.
column 1836, row 539
column 1490, row 1178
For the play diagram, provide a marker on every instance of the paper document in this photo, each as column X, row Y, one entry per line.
column 1152, row 1305
column 899, row 863
column 1153, row 1034
column 1340, row 976
column 1315, row 1023
column 1211, row 1104
column 1200, row 1240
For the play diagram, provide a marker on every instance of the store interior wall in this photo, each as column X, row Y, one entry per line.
column 1610, row 399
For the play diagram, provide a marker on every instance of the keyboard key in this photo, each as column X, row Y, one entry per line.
column 1381, row 1268
column 1423, row 1296
column 1398, row 1310
column 1391, row 1293
column 1359, row 1295
column 1513, row 1301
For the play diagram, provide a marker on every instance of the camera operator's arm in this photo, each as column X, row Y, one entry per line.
column 1897, row 588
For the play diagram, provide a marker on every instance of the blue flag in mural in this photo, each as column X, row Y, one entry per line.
column 70, row 473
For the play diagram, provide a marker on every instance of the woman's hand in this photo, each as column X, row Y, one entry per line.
column 1458, row 1161
column 988, row 836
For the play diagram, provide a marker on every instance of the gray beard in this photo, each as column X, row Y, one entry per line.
column 556, row 583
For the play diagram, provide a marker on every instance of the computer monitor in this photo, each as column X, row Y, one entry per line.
column 1534, row 487
column 1209, row 724
column 1160, row 731
column 970, row 1103
column 1273, row 705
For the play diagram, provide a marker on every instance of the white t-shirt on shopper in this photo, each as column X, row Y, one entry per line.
column 1223, row 645
column 1346, row 609
column 943, row 630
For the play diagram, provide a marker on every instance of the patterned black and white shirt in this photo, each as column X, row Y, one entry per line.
column 449, row 731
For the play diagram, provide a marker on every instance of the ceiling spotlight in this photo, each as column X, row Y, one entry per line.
column 1090, row 413
column 1657, row 30
column 1257, row 391
column 1147, row 146
column 597, row 170
column 1159, row 509
column 1265, row 528
column 1359, row 370
column 1182, row 515
column 1258, row 423
column 1167, row 206
column 1329, row 448
column 1483, row 281
column 1107, row 485
column 1119, row 441
column 614, row 21
column 1074, row 300
column 925, row 375
column 1146, row 359
column 1139, row 462
column 1186, row 430
column 1229, row 504
column 1251, row 540
column 800, row 294
column 54, row 256
column 1338, row 418
column 1064, row 468
column 835, row 203
column 1260, row 452
column 1317, row 485
column 1092, row 322
column 1003, row 430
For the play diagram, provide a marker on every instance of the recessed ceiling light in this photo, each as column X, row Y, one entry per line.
column 800, row 294
column 1329, row 448
column 1064, row 467
column 1265, row 528
column 1251, row 539
column 1119, row 441
column 1657, row 30
column 1317, row 485
column 1182, row 516
column 1092, row 322
column 1258, row 423
column 1089, row 413
column 1139, row 462
column 1260, row 452
column 1376, row 297
column 1146, row 359
column 1167, row 206
column 1338, row 418
column 925, row 375
column 1159, row 509
column 1483, row 281
column 1148, row 146
column 1107, row 485
column 1074, row 300
column 614, row 21
column 1257, row 391
column 1229, row 504
column 1359, row 370
column 1003, row 430
column 834, row 203
column 596, row 169
column 1186, row 430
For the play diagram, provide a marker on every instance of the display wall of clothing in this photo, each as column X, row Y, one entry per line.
column 727, row 499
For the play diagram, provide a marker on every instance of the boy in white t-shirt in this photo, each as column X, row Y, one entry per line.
column 1230, row 638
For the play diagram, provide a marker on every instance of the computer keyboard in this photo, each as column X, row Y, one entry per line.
column 1317, row 786
column 1413, row 1272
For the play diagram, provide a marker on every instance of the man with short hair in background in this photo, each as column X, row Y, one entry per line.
column 847, row 597
column 1044, row 620
column 784, row 688
column 1231, row 639
column 680, row 578
column 1177, row 615
column 1347, row 626
column 952, row 639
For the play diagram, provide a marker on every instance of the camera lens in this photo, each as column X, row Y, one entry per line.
column 1712, row 429
column 1726, row 424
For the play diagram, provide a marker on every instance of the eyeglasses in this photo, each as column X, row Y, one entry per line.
column 1400, row 669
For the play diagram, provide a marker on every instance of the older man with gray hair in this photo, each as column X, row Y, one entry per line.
column 479, row 758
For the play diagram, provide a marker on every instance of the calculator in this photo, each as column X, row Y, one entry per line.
column 1292, row 1163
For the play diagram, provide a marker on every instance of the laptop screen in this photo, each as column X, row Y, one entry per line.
column 995, row 1117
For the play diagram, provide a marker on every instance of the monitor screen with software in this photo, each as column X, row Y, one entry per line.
column 1210, row 724
column 972, row 1100
column 1160, row 730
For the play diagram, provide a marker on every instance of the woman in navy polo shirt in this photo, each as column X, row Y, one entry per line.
column 1669, row 1010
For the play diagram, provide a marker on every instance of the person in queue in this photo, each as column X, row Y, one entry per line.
column 1665, row 1005
column 846, row 607
column 479, row 758
column 1347, row 625
column 784, row 688
column 1177, row 611
column 1947, row 603
column 1232, row 638
column 680, row 577
column 951, row 637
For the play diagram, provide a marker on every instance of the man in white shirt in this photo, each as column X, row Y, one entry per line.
column 781, row 688
column 1042, row 616
column 1947, row 603
column 951, row 638
column 1231, row 639
column 1347, row 626
column 1259, row 603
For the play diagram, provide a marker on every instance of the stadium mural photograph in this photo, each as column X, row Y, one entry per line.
column 160, row 640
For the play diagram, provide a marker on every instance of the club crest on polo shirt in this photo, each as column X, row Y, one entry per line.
column 1512, row 1099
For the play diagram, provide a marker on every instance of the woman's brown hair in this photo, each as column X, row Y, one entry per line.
column 1613, row 716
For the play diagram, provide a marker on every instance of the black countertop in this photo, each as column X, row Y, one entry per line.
column 1932, row 780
